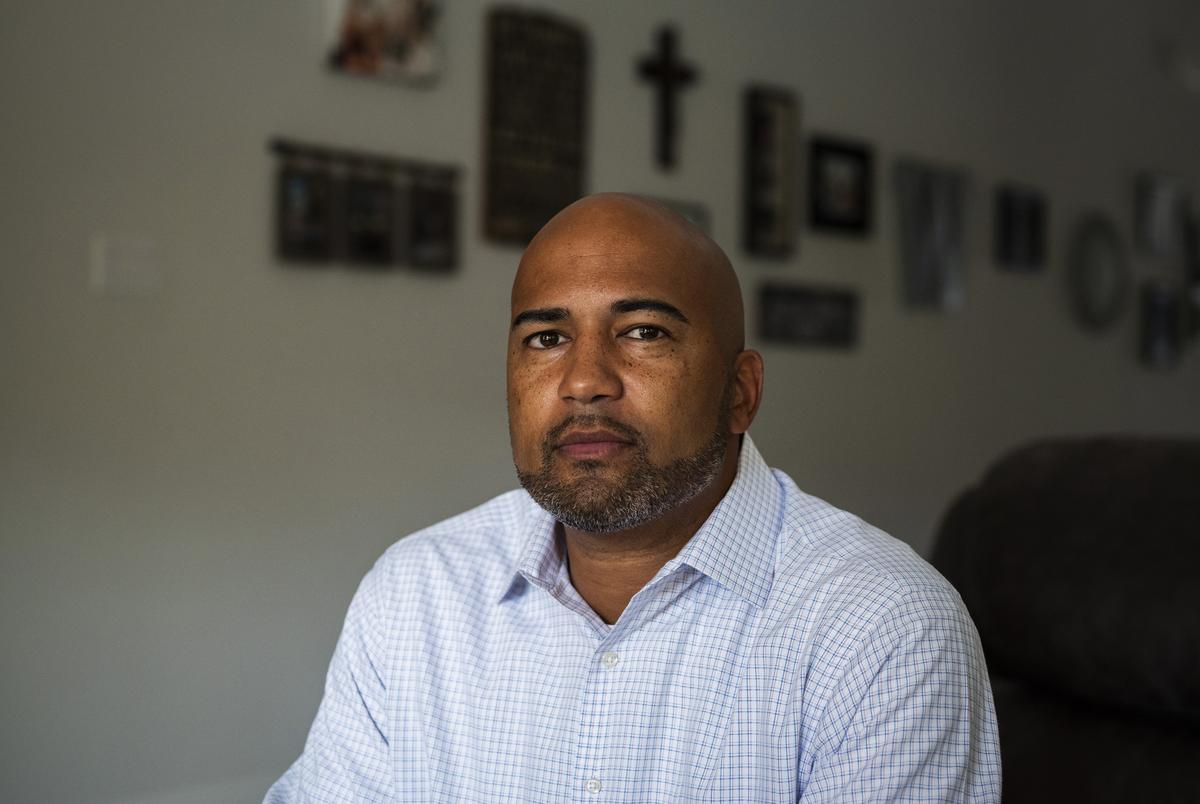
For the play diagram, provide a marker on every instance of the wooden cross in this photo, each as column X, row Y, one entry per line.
column 669, row 76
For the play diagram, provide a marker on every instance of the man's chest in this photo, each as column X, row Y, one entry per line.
column 532, row 703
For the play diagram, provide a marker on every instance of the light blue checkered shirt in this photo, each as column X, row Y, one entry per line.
column 789, row 652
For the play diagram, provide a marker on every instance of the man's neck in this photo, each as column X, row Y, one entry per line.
column 608, row 569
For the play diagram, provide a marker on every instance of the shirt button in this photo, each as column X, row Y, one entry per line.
column 609, row 660
column 592, row 786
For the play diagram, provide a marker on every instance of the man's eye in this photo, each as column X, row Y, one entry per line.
column 545, row 340
column 645, row 333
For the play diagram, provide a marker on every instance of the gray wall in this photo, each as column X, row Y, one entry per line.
column 193, row 481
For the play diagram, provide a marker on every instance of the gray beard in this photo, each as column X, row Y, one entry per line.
column 593, row 503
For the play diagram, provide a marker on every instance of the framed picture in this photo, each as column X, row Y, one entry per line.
column 370, row 221
column 932, row 249
column 840, row 186
column 433, row 215
column 1020, row 230
column 1161, row 207
column 394, row 40
column 535, row 123
column 808, row 315
column 305, row 213
column 1161, row 325
column 769, row 219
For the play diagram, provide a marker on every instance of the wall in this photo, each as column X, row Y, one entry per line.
column 192, row 482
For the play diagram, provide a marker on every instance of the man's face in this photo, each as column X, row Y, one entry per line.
column 618, row 385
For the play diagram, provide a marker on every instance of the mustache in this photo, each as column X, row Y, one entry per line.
column 589, row 421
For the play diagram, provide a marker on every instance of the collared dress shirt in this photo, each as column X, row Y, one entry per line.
column 789, row 652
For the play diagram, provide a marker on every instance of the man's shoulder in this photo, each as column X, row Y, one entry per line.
column 838, row 567
column 479, row 547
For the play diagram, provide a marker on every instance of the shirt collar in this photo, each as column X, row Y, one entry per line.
column 735, row 546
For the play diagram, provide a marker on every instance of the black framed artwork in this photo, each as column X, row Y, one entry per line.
column 370, row 221
column 305, row 222
column 432, row 217
column 808, row 315
column 769, row 176
column 841, row 185
column 1020, row 229
column 535, row 121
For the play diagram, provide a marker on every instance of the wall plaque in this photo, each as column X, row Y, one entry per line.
column 808, row 315
column 535, row 121
column 769, row 175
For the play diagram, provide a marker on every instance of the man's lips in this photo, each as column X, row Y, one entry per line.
column 591, row 444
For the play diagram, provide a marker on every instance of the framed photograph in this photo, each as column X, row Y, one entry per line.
column 370, row 221
column 1161, row 207
column 770, row 178
column 1098, row 276
column 394, row 40
column 1020, row 229
column 433, row 225
column 1161, row 325
column 840, row 186
column 305, row 213
column 808, row 315
column 932, row 249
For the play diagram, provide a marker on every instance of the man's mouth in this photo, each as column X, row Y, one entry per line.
column 591, row 444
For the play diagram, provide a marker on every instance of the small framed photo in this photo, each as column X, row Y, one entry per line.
column 393, row 40
column 305, row 213
column 370, row 221
column 840, row 186
column 1020, row 229
column 808, row 315
column 433, row 223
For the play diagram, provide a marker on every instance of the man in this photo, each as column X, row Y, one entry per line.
column 657, row 616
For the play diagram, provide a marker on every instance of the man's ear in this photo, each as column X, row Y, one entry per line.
column 747, row 390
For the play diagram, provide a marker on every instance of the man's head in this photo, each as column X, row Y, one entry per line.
column 628, row 381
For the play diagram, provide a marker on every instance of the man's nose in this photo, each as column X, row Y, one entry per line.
column 589, row 372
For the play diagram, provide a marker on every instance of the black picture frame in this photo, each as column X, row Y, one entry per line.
column 771, row 123
column 841, row 186
column 370, row 221
column 1020, row 229
column 808, row 315
column 535, row 122
column 432, row 225
column 306, row 214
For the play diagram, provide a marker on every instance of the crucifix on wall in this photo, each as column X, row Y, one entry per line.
column 669, row 75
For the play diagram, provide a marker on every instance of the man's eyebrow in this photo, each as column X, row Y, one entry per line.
column 655, row 305
column 545, row 315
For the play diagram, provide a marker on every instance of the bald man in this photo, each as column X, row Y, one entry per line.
column 657, row 615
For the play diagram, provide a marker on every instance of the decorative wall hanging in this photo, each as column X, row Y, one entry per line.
column 395, row 40
column 1161, row 326
column 841, row 181
column 365, row 209
column 305, row 209
column 1020, row 229
column 1097, row 273
column 932, row 200
column 670, row 76
column 536, row 121
column 1161, row 208
column 808, row 315
column 769, row 175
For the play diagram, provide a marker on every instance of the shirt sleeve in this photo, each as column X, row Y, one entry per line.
column 346, row 755
column 912, row 719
